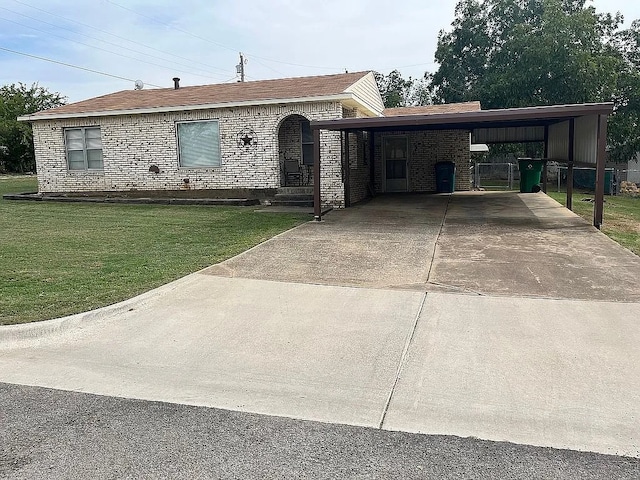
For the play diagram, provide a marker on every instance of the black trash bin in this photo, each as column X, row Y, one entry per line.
column 445, row 177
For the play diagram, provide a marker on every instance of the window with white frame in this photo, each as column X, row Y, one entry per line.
column 84, row 148
column 199, row 144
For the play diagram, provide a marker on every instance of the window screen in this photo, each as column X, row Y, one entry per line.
column 307, row 143
column 84, row 148
column 199, row 144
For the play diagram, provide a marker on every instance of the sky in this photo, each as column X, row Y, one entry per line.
column 199, row 41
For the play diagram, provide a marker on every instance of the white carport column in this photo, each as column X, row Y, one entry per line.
column 317, row 208
column 598, row 207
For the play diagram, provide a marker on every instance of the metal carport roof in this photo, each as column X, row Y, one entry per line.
column 573, row 134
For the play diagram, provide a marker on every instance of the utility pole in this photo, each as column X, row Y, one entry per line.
column 240, row 67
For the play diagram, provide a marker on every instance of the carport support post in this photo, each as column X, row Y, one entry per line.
column 345, row 177
column 572, row 130
column 598, row 206
column 317, row 209
column 545, row 154
column 372, row 163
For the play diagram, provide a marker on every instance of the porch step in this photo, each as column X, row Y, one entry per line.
column 292, row 203
column 294, row 197
column 308, row 190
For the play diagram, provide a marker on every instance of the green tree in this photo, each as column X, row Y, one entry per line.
column 16, row 138
column 624, row 126
column 399, row 92
column 463, row 54
column 516, row 53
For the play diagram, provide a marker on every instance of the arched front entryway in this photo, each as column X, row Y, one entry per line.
column 295, row 147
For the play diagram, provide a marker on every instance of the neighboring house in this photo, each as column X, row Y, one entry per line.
column 246, row 139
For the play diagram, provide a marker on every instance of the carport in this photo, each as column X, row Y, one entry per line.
column 574, row 135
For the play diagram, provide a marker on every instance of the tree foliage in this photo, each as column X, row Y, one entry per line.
column 399, row 92
column 624, row 129
column 16, row 138
column 516, row 53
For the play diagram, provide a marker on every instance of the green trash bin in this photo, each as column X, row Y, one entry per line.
column 445, row 177
column 530, row 173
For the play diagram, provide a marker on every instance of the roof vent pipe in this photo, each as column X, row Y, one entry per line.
column 176, row 83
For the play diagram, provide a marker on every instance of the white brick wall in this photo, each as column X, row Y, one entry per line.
column 132, row 143
column 426, row 148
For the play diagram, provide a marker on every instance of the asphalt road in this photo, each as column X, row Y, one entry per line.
column 56, row 434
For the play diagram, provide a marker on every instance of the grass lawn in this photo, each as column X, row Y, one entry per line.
column 58, row 259
column 621, row 216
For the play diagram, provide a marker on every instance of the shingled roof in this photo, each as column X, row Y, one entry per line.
column 429, row 109
column 205, row 95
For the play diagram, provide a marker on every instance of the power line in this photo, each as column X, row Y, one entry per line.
column 267, row 66
column 216, row 43
column 170, row 26
column 94, row 38
column 254, row 57
column 407, row 66
column 317, row 67
column 73, row 66
column 104, row 49
column 115, row 36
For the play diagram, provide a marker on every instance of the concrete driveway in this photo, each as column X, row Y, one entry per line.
column 495, row 315
column 488, row 243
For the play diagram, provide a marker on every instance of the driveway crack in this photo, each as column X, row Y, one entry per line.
column 435, row 244
column 403, row 359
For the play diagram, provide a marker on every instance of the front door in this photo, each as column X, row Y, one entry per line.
column 395, row 159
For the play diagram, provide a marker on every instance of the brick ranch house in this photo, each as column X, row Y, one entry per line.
column 242, row 139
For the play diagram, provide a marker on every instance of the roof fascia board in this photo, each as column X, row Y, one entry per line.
column 209, row 106
column 550, row 113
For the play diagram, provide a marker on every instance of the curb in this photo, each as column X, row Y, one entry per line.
column 27, row 333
